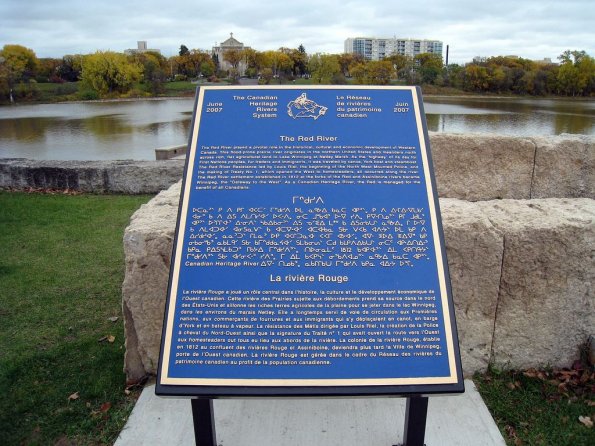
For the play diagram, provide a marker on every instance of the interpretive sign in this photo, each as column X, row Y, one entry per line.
column 309, row 256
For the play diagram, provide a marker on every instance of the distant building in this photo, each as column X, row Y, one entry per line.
column 372, row 48
column 141, row 48
column 545, row 61
column 230, row 44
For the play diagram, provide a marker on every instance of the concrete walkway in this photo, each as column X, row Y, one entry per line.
column 456, row 420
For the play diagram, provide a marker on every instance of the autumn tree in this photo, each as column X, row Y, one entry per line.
column 47, row 69
column 299, row 60
column 233, row 57
column 69, row 69
column 202, row 63
column 429, row 66
column 325, row 69
column 254, row 61
column 347, row 60
column 18, row 64
column 107, row 72
column 374, row 72
column 576, row 75
column 475, row 78
column 279, row 62
column 154, row 69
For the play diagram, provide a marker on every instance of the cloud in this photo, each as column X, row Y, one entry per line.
column 532, row 29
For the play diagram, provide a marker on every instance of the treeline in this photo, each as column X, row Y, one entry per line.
column 111, row 74
column 573, row 76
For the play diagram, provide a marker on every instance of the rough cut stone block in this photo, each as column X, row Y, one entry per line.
column 127, row 177
column 527, row 263
column 474, row 250
column 546, row 307
column 18, row 173
column 477, row 167
column 564, row 167
column 147, row 249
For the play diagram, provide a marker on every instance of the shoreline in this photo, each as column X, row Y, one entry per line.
column 190, row 94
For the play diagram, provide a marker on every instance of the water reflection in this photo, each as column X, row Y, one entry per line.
column 510, row 116
column 132, row 130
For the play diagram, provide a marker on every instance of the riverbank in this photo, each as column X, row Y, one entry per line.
column 49, row 93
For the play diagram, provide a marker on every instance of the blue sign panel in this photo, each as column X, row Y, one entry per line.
column 309, row 250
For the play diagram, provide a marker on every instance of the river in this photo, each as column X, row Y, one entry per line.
column 133, row 129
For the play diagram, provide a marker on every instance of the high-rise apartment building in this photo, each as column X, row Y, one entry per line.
column 372, row 48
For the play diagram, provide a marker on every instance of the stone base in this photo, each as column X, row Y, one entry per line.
column 521, row 273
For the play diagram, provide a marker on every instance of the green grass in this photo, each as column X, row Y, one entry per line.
column 61, row 270
column 179, row 87
column 541, row 411
column 50, row 92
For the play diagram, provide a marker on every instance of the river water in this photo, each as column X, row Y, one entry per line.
column 133, row 129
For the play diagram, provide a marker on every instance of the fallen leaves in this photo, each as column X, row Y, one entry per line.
column 511, row 433
column 135, row 384
column 113, row 318
column 587, row 421
column 45, row 190
column 570, row 382
column 74, row 396
column 102, row 409
column 108, row 338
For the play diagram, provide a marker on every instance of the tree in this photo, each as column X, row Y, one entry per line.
column 154, row 69
column 254, row 62
column 107, row 72
column 325, row 69
column 576, row 75
column 233, row 57
column 183, row 50
column 279, row 62
column 358, row 72
column 374, row 72
column 347, row 60
column 476, row 78
column 400, row 61
column 47, row 70
column 69, row 69
column 299, row 60
column 429, row 66
column 19, row 64
column 378, row 72
column 199, row 60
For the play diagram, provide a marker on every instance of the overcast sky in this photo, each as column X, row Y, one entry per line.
column 533, row 29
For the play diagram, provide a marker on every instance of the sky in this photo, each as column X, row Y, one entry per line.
column 533, row 29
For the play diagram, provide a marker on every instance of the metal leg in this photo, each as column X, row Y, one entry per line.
column 415, row 421
column 203, row 417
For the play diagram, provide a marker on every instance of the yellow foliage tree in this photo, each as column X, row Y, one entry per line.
column 108, row 72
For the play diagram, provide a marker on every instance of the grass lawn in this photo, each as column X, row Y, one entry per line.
column 178, row 87
column 61, row 270
column 542, row 408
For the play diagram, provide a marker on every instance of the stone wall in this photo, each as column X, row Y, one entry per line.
column 519, row 224
column 521, row 272
column 468, row 167
column 117, row 177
